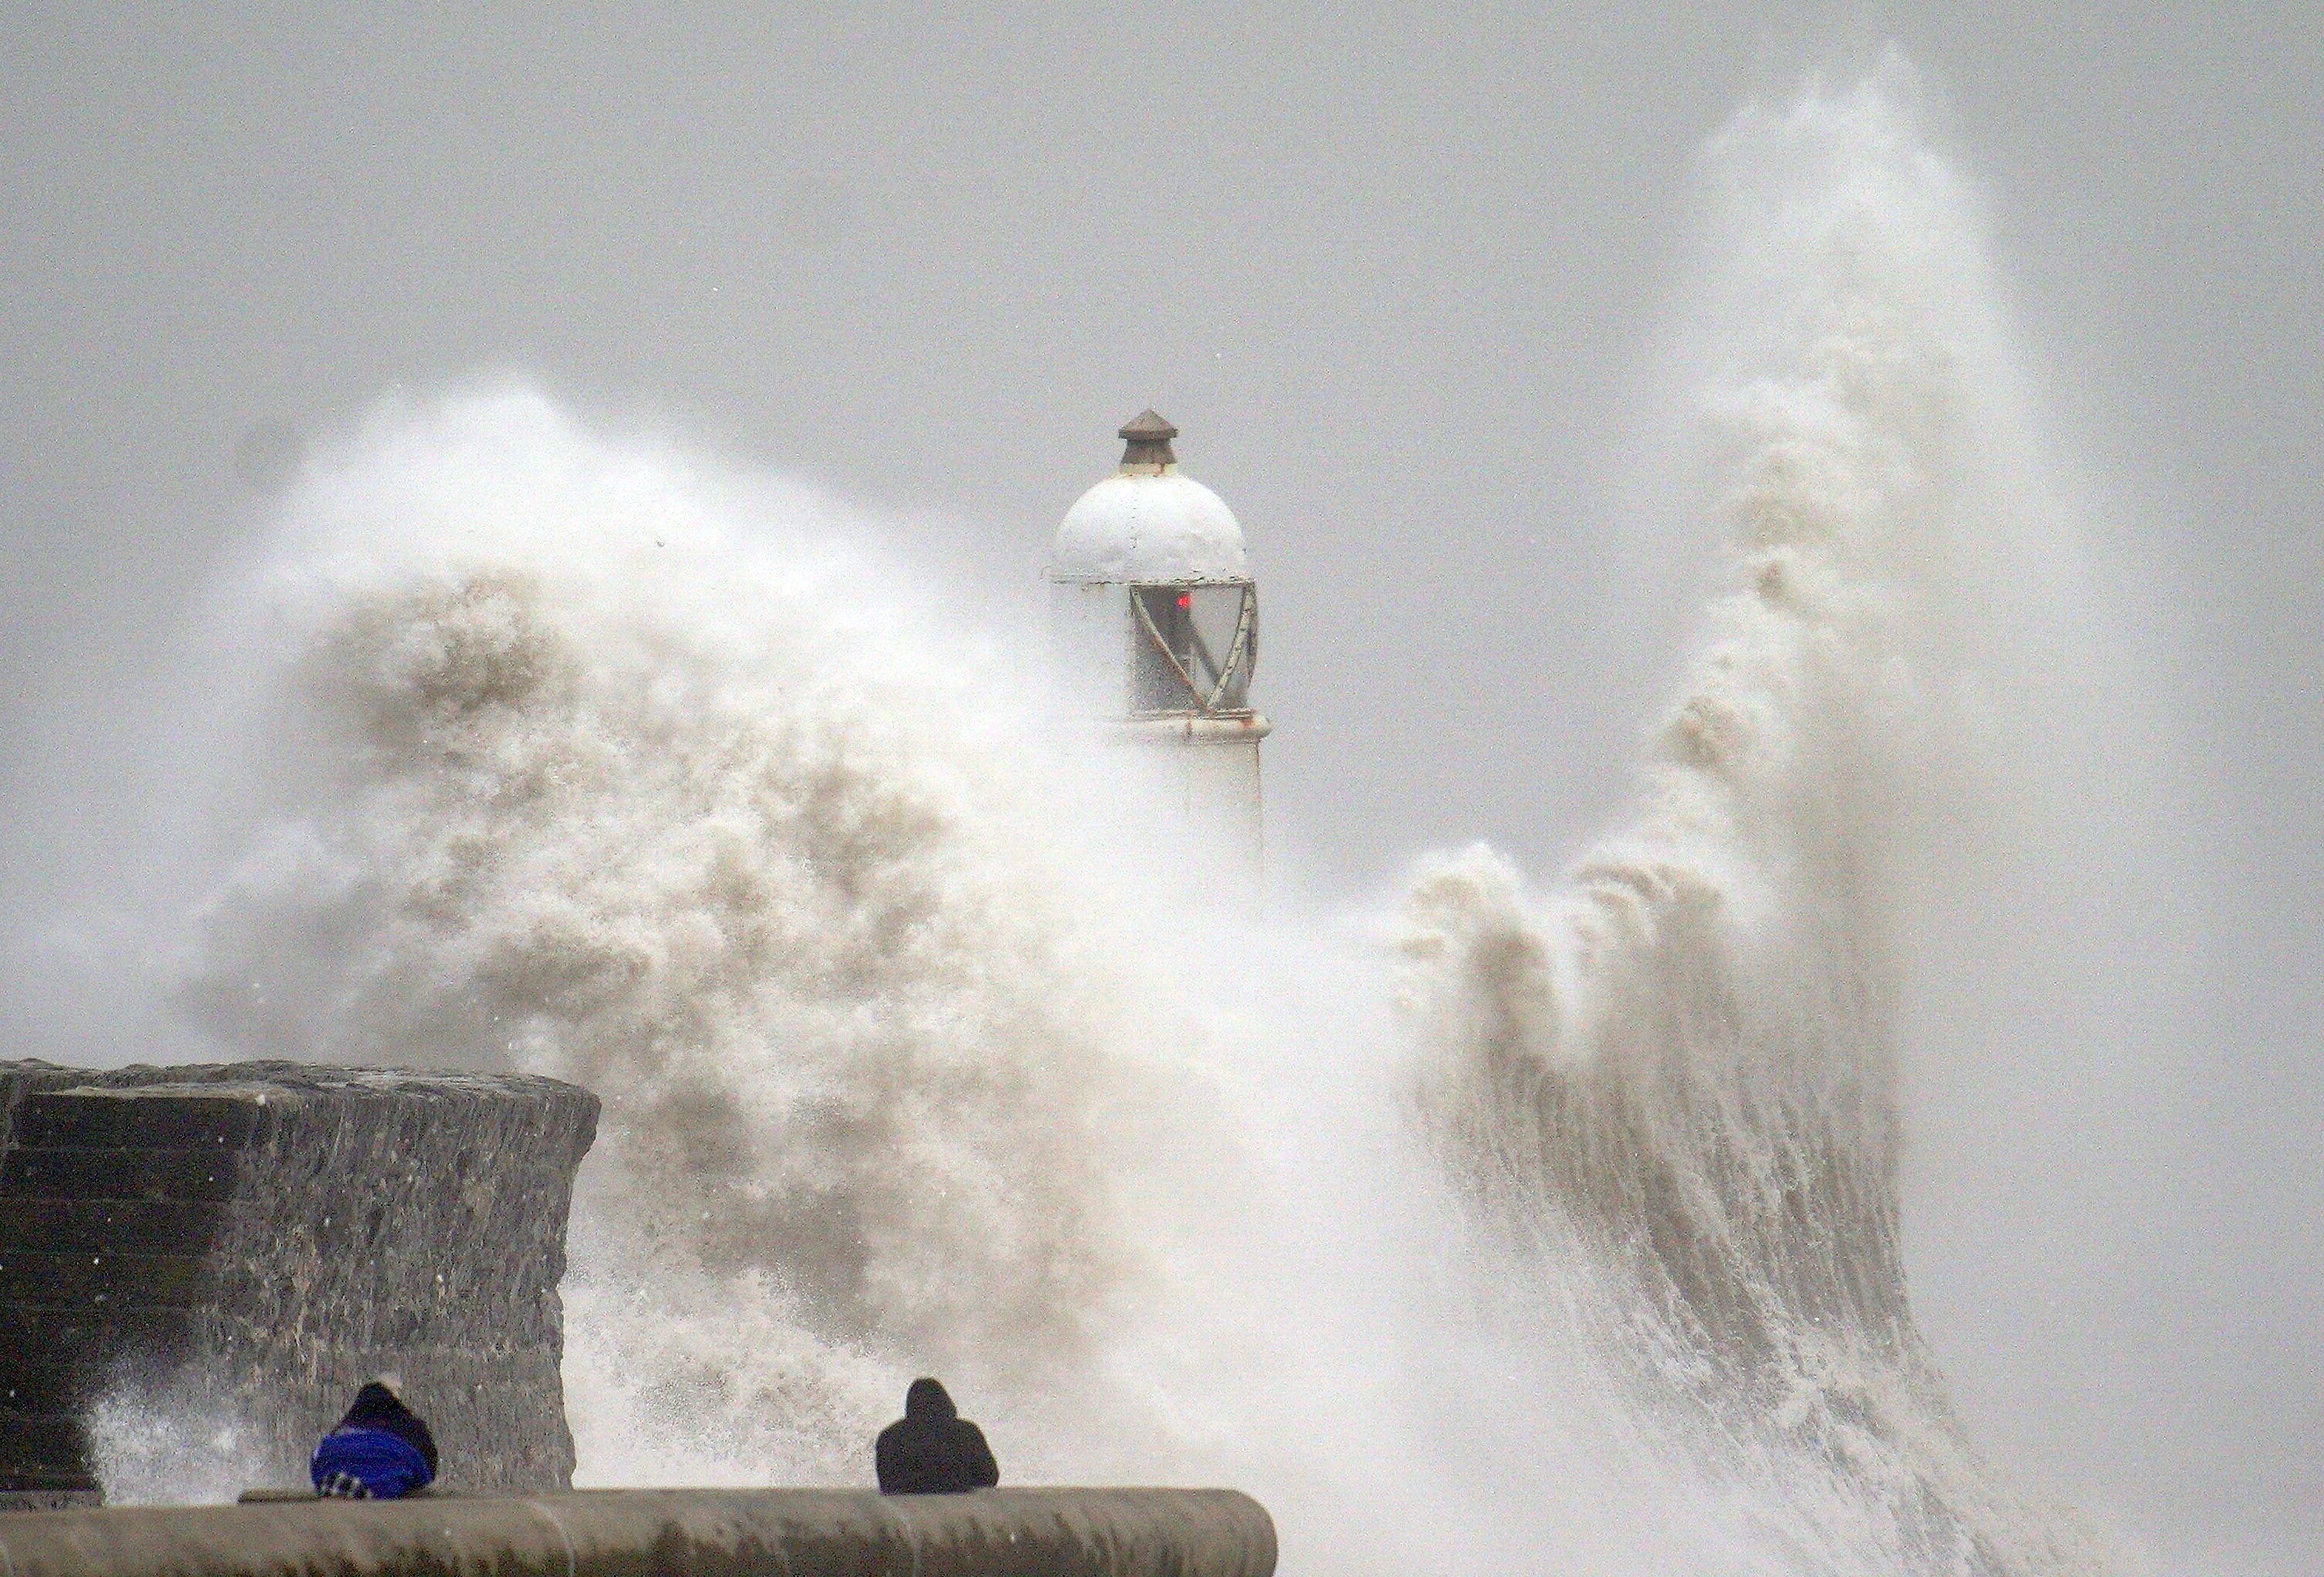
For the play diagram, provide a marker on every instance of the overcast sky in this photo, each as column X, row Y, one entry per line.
column 1398, row 278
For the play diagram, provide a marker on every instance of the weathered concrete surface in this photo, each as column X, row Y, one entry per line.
column 696, row 1533
column 250, row 1242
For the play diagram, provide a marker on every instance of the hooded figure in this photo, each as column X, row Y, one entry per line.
column 932, row 1450
column 381, row 1451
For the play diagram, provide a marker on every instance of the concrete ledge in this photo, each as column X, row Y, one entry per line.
column 696, row 1532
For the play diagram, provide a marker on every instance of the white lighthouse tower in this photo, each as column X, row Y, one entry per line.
column 1154, row 620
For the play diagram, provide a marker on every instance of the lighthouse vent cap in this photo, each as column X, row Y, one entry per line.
column 1147, row 435
column 1151, row 524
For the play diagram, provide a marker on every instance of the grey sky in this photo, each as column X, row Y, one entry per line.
column 1397, row 277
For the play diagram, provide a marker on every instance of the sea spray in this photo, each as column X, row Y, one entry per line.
column 590, row 759
column 617, row 769
column 1683, row 1064
column 578, row 755
column 169, row 1442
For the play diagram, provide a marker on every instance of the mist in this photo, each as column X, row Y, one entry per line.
column 1411, row 302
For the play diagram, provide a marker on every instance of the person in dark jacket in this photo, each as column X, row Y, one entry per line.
column 932, row 1450
column 381, row 1451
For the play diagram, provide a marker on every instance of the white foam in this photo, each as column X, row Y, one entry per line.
column 585, row 756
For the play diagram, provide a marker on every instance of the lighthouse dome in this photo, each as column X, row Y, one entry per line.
column 1150, row 524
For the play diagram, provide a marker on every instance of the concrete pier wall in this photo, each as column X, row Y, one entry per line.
column 243, row 1245
column 683, row 1532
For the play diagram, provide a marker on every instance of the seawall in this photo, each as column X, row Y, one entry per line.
column 243, row 1245
column 684, row 1533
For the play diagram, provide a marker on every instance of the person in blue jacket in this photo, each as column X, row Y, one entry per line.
column 381, row 1451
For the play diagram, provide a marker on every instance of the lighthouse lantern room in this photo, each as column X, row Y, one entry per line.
column 1155, row 620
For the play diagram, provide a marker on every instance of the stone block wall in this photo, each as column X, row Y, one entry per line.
column 252, row 1242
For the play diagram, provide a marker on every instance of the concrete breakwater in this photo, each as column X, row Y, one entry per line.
column 696, row 1532
column 248, row 1243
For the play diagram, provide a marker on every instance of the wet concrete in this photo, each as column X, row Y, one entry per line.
column 245, row 1244
column 698, row 1533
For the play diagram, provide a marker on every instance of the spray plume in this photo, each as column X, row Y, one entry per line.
column 1683, row 1065
column 588, row 760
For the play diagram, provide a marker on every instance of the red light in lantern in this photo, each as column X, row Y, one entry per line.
column 1185, row 599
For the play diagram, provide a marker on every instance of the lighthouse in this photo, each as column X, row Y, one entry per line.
column 1154, row 624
